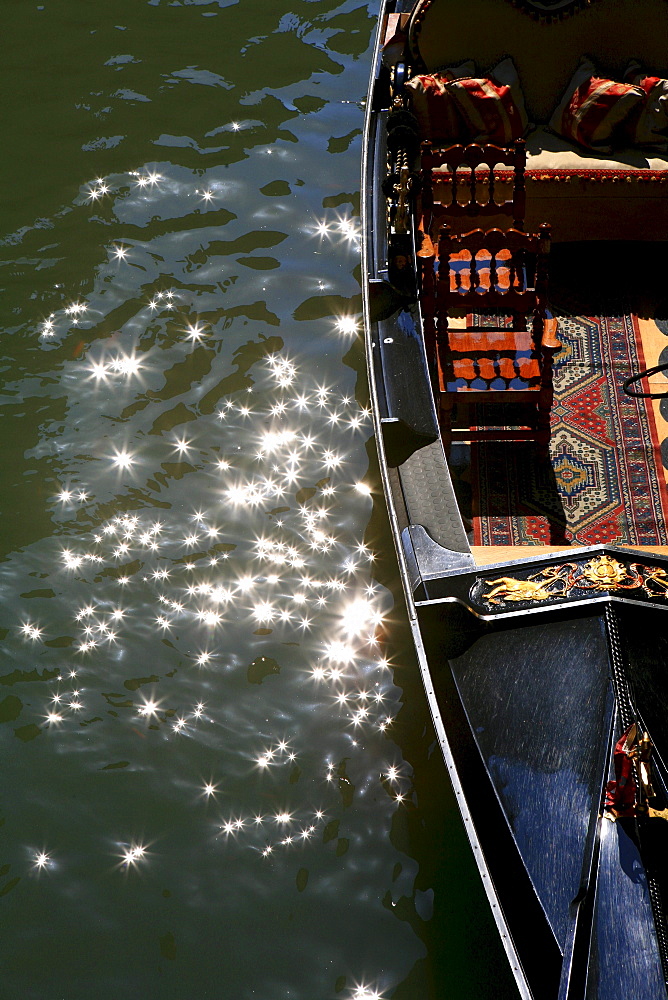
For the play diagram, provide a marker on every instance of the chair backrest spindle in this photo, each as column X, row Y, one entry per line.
column 472, row 168
column 518, row 274
column 493, row 273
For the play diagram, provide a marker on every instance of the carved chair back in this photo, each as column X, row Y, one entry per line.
column 468, row 188
column 494, row 271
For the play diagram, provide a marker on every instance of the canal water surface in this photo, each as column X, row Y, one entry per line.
column 219, row 778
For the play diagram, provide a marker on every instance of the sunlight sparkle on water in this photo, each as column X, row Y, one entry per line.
column 146, row 179
column 132, row 855
column 97, row 189
column 195, row 331
column 48, row 329
column 123, row 459
column 273, row 549
column 347, row 325
column 365, row 993
column 342, row 228
column 149, row 708
column 31, row 631
column 359, row 617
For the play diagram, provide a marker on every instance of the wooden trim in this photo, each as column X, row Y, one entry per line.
column 485, row 555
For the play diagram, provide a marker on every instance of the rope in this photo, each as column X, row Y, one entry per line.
column 619, row 682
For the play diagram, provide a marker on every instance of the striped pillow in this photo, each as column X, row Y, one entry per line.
column 593, row 110
column 492, row 107
column 433, row 105
column 647, row 126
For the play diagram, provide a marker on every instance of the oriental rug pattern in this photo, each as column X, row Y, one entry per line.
column 604, row 482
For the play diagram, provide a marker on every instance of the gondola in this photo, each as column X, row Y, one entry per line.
column 531, row 530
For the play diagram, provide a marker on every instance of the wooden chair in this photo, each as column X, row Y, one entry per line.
column 468, row 192
column 471, row 171
column 493, row 344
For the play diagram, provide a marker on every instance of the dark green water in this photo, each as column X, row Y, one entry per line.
column 214, row 782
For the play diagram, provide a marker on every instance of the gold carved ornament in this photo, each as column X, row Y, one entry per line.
column 599, row 574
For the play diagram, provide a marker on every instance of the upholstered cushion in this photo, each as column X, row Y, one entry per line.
column 549, row 152
column 442, row 33
column 647, row 127
column 583, row 194
column 492, row 107
column 593, row 109
column 433, row 105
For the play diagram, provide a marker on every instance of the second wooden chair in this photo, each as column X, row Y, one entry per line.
column 494, row 344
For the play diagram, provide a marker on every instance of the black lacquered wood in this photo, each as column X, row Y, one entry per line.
column 527, row 921
column 406, row 387
column 624, row 960
column 530, row 714
column 645, row 633
column 537, row 701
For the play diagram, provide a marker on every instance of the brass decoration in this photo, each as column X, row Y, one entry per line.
column 642, row 756
column 638, row 750
column 402, row 214
column 643, row 759
column 602, row 573
column 535, row 588
column 605, row 572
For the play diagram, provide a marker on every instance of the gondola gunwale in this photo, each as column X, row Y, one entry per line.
column 369, row 272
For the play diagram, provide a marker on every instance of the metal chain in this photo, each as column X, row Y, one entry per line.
column 620, row 683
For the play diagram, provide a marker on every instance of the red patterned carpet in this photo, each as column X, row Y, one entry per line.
column 604, row 481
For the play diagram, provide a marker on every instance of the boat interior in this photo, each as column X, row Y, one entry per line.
column 586, row 464
column 608, row 450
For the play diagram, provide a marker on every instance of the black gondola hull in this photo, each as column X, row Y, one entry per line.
column 532, row 670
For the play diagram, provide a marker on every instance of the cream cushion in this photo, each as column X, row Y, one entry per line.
column 546, row 54
column 584, row 195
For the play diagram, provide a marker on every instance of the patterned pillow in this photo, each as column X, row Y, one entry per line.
column 492, row 107
column 647, row 126
column 433, row 106
column 593, row 110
